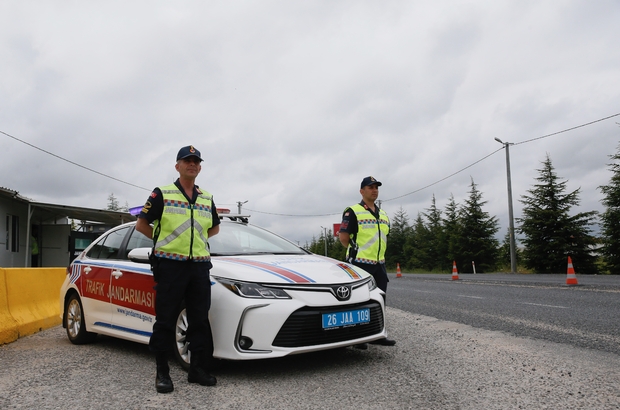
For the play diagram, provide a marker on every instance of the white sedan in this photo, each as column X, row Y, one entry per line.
column 270, row 298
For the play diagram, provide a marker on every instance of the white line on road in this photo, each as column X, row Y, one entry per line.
column 472, row 297
column 538, row 304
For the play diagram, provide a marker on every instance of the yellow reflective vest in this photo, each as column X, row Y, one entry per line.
column 371, row 237
column 181, row 232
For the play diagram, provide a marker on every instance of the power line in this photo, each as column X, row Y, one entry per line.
column 516, row 143
column 332, row 214
column 73, row 163
column 568, row 129
column 443, row 179
column 462, row 169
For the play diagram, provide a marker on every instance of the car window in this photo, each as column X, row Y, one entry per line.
column 93, row 252
column 109, row 246
column 137, row 240
column 242, row 239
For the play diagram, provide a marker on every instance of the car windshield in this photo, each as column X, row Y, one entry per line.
column 237, row 238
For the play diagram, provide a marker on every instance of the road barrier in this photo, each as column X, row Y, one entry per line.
column 28, row 301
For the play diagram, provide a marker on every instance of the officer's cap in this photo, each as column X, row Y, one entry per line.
column 188, row 151
column 369, row 181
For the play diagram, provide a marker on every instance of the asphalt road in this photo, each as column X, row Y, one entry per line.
column 536, row 306
column 436, row 364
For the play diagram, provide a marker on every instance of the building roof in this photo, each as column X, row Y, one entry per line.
column 46, row 212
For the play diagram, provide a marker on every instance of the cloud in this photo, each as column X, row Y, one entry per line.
column 292, row 104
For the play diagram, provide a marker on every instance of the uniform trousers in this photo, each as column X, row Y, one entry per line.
column 378, row 271
column 182, row 281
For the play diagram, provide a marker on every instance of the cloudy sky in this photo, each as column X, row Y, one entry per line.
column 292, row 103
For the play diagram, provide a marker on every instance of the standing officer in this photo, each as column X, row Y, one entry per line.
column 183, row 217
column 363, row 232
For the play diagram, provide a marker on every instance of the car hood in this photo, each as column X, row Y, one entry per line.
column 295, row 269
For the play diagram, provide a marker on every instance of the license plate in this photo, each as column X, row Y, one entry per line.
column 345, row 319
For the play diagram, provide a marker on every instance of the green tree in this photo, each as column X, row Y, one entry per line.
column 113, row 203
column 334, row 247
column 399, row 230
column 610, row 218
column 437, row 246
column 452, row 231
column 322, row 244
column 477, row 242
column 504, row 253
column 551, row 234
column 317, row 245
column 417, row 246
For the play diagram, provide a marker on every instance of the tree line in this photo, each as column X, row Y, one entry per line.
column 547, row 232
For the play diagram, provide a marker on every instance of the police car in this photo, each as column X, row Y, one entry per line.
column 270, row 298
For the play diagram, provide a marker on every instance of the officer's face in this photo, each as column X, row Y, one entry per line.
column 188, row 167
column 370, row 193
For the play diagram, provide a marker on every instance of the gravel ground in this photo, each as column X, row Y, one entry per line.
column 435, row 365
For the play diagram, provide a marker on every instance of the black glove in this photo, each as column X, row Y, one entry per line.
column 352, row 254
column 154, row 261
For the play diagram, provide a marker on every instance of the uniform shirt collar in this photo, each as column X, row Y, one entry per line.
column 194, row 194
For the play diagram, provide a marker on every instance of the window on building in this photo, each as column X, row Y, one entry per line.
column 12, row 233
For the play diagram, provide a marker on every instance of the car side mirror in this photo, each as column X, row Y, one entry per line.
column 139, row 255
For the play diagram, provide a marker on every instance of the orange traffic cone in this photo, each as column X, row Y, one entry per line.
column 398, row 274
column 571, row 279
column 455, row 273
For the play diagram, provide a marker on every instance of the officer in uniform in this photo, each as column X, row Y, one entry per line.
column 183, row 218
column 363, row 232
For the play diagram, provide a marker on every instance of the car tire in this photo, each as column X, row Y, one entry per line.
column 181, row 347
column 74, row 322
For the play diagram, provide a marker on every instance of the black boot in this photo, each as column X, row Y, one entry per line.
column 163, row 382
column 198, row 370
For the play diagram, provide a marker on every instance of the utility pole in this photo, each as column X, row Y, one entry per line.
column 513, row 247
column 239, row 205
column 325, row 238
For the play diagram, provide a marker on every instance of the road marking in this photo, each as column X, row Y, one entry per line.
column 472, row 297
column 538, row 304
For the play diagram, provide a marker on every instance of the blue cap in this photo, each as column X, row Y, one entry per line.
column 369, row 181
column 188, row 151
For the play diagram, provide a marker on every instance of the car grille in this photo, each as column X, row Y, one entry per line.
column 304, row 327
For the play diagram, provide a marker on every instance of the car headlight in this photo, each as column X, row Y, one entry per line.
column 372, row 284
column 253, row 290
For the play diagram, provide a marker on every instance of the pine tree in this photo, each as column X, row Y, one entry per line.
column 437, row 246
column 399, row 230
column 477, row 243
column 504, row 252
column 113, row 203
column 452, row 231
column 417, row 246
column 315, row 247
column 610, row 218
column 550, row 233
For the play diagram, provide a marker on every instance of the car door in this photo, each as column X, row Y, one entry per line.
column 132, row 292
column 96, row 268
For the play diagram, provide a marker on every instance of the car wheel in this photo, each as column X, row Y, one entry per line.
column 181, row 347
column 74, row 322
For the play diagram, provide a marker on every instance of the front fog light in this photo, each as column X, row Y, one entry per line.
column 245, row 342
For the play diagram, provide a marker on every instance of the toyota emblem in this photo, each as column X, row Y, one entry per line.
column 343, row 293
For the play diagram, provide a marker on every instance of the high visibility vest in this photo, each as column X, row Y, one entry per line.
column 371, row 237
column 34, row 246
column 181, row 232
